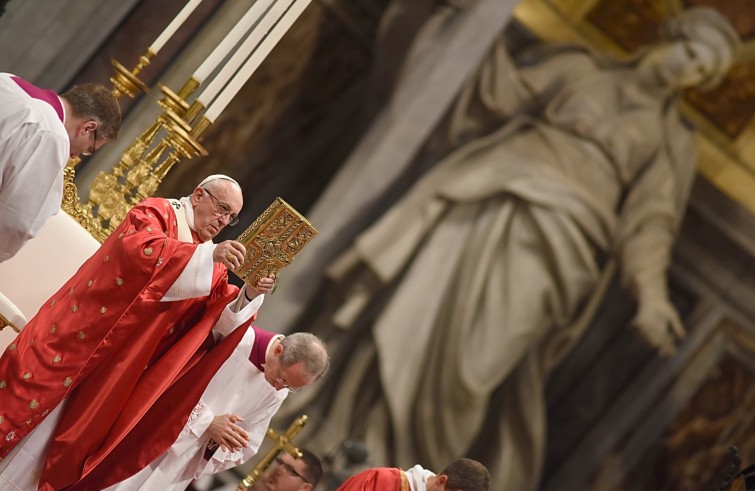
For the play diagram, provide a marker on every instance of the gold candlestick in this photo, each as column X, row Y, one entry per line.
column 125, row 81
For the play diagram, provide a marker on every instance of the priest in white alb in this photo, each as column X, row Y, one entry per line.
column 39, row 132
column 227, row 426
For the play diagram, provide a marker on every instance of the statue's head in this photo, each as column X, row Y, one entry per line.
column 708, row 29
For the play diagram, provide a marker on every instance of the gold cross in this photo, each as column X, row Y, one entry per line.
column 282, row 442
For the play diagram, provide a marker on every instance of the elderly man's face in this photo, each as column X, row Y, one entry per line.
column 293, row 377
column 215, row 206
column 286, row 474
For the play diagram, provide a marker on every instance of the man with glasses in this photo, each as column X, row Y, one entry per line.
column 290, row 474
column 113, row 363
column 228, row 424
column 39, row 131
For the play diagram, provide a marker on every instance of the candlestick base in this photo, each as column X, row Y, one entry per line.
column 172, row 101
column 126, row 82
column 180, row 138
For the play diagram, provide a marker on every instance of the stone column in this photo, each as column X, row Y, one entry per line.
column 48, row 41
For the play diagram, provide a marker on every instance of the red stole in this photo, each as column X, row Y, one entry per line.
column 49, row 96
column 378, row 479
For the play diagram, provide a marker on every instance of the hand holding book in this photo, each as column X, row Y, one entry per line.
column 271, row 242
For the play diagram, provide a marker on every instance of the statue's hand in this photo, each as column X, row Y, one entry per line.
column 659, row 325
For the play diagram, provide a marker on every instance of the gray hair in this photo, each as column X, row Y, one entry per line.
column 698, row 23
column 307, row 348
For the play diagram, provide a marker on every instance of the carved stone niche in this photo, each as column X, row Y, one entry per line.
column 622, row 418
column 669, row 428
column 693, row 451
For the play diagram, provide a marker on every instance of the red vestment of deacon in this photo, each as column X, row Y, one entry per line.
column 377, row 479
column 127, row 363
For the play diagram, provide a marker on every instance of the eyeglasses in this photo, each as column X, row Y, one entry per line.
column 92, row 149
column 284, row 384
column 222, row 209
column 290, row 469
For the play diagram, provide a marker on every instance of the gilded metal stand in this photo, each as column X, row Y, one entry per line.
column 143, row 166
column 282, row 443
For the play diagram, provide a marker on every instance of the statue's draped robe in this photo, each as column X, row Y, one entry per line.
column 488, row 260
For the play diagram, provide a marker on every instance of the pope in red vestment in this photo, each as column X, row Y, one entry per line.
column 128, row 341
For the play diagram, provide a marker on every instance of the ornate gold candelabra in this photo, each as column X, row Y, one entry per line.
column 142, row 167
column 282, row 442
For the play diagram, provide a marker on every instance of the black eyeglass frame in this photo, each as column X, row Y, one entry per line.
column 93, row 148
column 290, row 469
column 233, row 219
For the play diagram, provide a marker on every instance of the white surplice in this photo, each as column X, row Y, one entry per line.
column 34, row 149
column 238, row 388
column 418, row 477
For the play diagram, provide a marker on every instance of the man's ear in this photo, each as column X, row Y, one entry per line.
column 195, row 196
column 441, row 481
column 89, row 126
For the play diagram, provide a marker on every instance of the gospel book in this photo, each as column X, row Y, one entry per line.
column 272, row 241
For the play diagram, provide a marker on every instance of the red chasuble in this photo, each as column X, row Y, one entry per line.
column 378, row 479
column 106, row 343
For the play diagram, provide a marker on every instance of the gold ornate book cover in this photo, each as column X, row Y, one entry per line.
column 272, row 241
